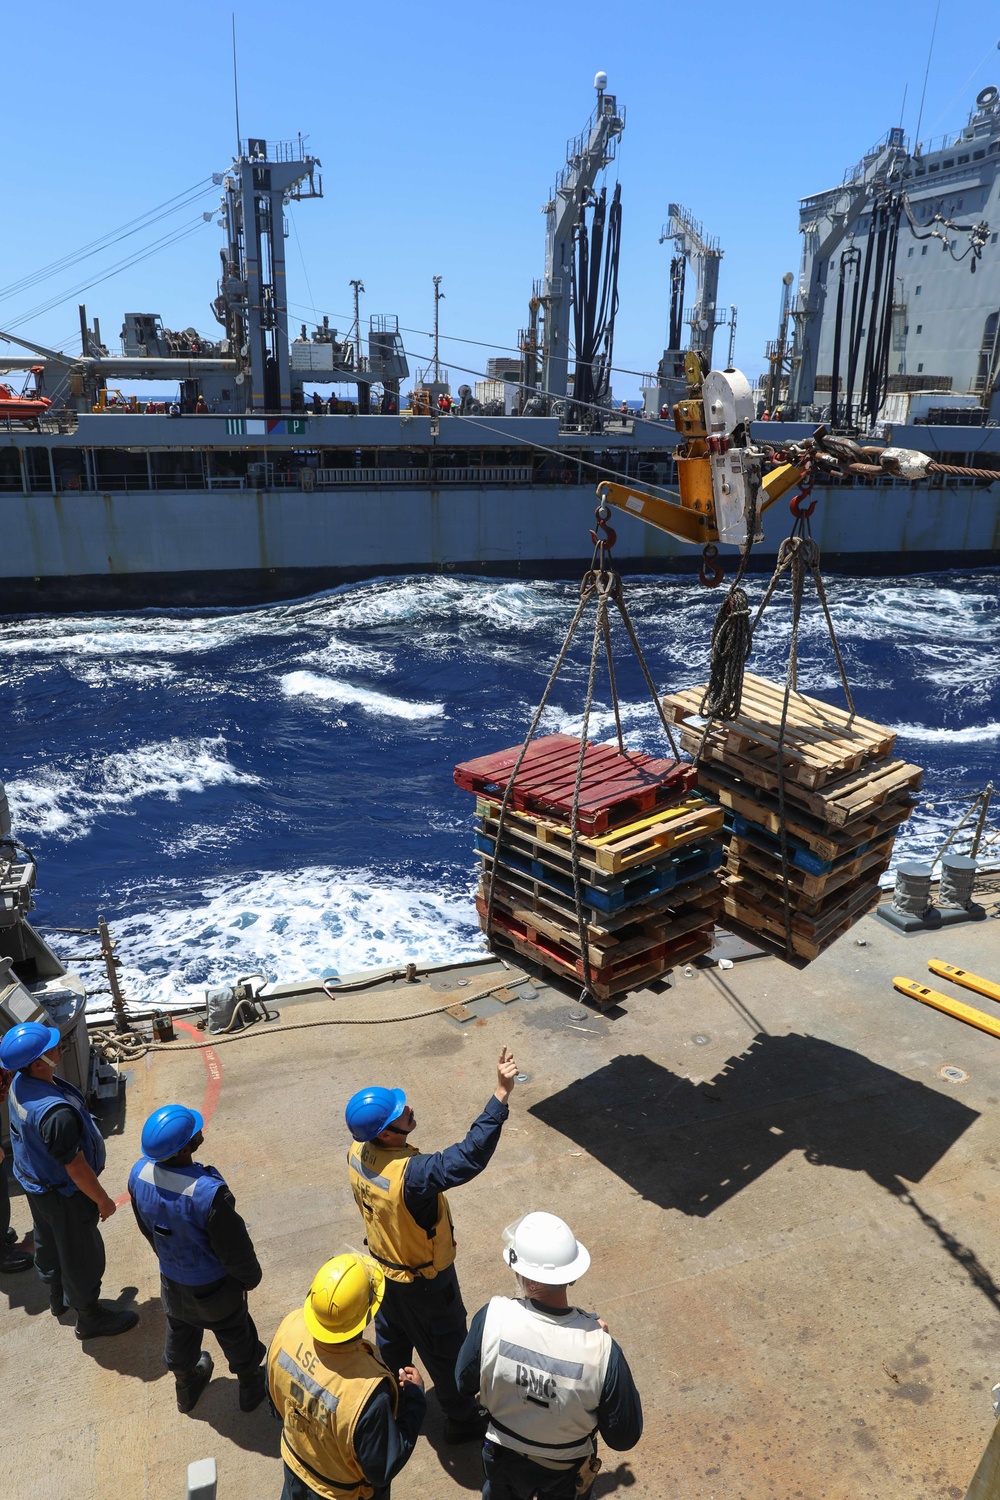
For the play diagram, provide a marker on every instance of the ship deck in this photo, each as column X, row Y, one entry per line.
column 791, row 1214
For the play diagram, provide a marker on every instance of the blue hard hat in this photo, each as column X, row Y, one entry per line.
column 169, row 1129
column 24, row 1044
column 371, row 1110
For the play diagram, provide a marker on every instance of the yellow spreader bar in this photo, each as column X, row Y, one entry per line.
column 963, row 977
column 956, row 1008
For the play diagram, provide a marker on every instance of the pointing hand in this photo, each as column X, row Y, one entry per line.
column 506, row 1075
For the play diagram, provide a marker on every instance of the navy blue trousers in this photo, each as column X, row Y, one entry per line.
column 512, row 1476
column 428, row 1316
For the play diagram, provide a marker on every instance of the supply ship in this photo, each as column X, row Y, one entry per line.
column 250, row 486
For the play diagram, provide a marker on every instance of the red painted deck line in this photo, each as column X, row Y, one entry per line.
column 213, row 1083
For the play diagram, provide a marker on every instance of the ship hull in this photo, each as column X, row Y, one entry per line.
column 92, row 550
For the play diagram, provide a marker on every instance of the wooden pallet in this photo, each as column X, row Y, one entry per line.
column 704, row 893
column 603, row 892
column 761, row 911
column 638, row 843
column 742, row 853
column 796, row 853
column 827, row 842
column 602, row 949
column 821, row 742
column 607, row 991
column 766, row 878
column 614, row 789
column 841, row 802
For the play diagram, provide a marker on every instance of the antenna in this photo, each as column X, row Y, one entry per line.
column 930, row 50
column 236, row 89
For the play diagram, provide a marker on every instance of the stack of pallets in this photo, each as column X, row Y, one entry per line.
column 647, row 845
column 845, row 797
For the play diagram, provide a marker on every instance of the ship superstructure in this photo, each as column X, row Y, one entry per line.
column 250, row 486
column 899, row 290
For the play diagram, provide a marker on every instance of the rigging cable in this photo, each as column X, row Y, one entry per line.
column 113, row 237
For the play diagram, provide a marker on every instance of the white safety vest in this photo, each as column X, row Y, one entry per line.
column 542, row 1378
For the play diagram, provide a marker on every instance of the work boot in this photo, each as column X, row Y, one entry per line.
column 14, row 1260
column 470, row 1430
column 10, row 1238
column 253, row 1389
column 103, row 1320
column 191, row 1383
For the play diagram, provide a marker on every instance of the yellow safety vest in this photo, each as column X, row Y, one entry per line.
column 394, row 1237
column 319, row 1391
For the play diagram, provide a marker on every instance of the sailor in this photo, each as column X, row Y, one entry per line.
column 201, row 406
column 549, row 1375
column 401, row 1195
column 11, row 1259
column 59, row 1156
column 348, row 1426
column 207, row 1259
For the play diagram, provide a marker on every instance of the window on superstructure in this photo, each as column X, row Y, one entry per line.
column 920, row 327
column 963, row 159
column 918, row 291
column 949, row 163
column 978, row 155
column 993, row 237
column 923, row 249
column 920, row 369
column 909, row 252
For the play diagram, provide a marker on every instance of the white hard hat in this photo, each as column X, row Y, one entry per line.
column 542, row 1248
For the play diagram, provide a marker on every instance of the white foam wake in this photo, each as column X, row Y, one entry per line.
column 972, row 734
column 66, row 800
column 290, row 926
column 344, row 694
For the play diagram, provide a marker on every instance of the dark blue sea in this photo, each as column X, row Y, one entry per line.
column 272, row 788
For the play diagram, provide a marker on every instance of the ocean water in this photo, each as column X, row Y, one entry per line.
column 271, row 789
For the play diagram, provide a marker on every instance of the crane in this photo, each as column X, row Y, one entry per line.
column 726, row 482
column 591, row 150
column 704, row 256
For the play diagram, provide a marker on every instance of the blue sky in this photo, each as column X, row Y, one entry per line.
column 440, row 131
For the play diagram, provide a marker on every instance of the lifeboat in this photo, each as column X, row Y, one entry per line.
column 23, row 408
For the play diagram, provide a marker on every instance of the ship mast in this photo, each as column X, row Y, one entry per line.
column 591, row 150
column 262, row 180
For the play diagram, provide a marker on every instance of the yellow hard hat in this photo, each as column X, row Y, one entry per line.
column 345, row 1295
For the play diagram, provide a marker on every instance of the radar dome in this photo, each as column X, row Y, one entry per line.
column 600, row 82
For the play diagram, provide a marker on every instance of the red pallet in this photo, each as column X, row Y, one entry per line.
column 614, row 788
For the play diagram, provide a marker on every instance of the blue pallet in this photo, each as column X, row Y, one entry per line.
column 628, row 892
column 799, row 855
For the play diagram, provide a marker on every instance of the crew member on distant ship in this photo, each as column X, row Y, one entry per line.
column 349, row 1425
column 207, row 1259
column 401, row 1195
column 59, row 1156
column 550, row 1375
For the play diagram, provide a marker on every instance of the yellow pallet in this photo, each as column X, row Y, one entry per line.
column 623, row 848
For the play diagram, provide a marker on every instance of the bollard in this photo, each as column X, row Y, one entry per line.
column 958, row 876
column 911, row 909
column 203, row 1479
column 912, row 895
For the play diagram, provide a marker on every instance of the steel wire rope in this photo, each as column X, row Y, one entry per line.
column 213, row 1039
column 455, row 338
column 113, row 237
column 166, row 241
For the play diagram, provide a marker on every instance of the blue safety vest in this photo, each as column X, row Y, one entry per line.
column 29, row 1101
column 174, row 1204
